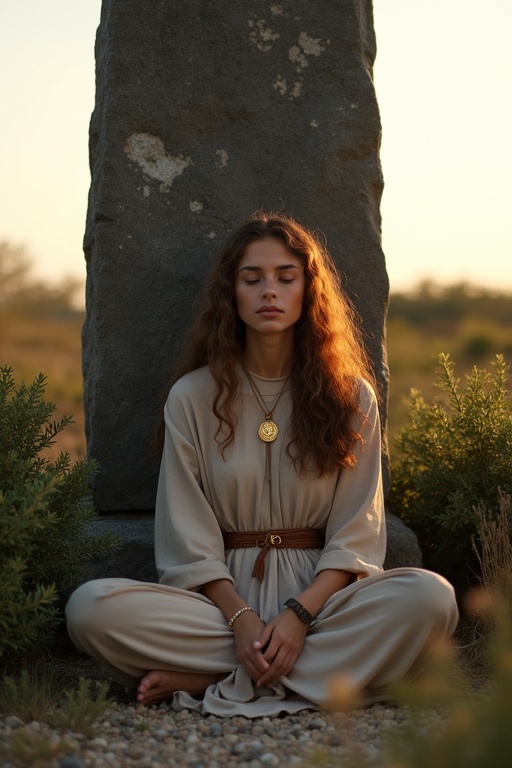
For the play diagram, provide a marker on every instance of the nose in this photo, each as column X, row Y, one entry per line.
column 269, row 291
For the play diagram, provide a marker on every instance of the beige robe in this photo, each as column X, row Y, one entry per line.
column 373, row 631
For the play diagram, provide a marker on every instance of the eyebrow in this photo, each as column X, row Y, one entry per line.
column 259, row 269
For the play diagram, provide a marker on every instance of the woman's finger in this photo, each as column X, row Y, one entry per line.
column 264, row 639
column 281, row 665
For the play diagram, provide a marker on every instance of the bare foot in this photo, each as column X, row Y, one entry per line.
column 160, row 684
column 155, row 687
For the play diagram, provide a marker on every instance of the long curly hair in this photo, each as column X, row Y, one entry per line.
column 329, row 358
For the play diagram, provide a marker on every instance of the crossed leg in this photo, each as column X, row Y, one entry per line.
column 165, row 640
column 133, row 629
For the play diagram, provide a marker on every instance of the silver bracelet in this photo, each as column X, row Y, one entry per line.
column 237, row 614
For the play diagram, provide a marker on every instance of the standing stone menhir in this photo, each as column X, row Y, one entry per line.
column 205, row 112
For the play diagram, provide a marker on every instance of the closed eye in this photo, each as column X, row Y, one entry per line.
column 254, row 280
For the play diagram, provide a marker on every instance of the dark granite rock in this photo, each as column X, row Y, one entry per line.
column 135, row 558
column 205, row 112
column 403, row 548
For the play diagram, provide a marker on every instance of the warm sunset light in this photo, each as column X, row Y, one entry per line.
column 442, row 75
column 253, row 511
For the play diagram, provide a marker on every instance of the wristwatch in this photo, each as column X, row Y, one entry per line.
column 303, row 614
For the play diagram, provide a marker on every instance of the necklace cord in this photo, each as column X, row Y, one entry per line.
column 259, row 397
column 268, row 415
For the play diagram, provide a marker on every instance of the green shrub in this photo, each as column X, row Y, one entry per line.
column 43, row 515
column 31, row 694
column 453, row 457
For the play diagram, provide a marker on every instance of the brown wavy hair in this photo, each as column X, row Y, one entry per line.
column 328, row 361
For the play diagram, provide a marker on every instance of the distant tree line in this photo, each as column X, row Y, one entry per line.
column 19, row 290
column 431, row 304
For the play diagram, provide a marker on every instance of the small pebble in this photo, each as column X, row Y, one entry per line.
column 316, row 722
column 71, row 761
column 269, row 760
column 13, row 722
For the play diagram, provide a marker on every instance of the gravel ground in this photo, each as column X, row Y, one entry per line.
column 130, row 735
column 152, row 737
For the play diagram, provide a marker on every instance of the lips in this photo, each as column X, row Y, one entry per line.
column 270, row 310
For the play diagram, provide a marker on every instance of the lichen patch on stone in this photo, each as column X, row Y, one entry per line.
column 297, row 89
column 298, row 58
column 262, row 36
column 148, row 152
column 311, row 45
column 279, row 84
column 195, row 206
column 298, row 54
column 223, row 157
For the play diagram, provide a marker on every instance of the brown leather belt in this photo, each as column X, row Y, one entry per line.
column 293, row 538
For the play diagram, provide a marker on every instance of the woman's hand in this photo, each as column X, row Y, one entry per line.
column 248, row 628
column 280, row 645
column 267, row 652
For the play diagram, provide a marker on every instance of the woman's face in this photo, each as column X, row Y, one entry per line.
column 269, row 287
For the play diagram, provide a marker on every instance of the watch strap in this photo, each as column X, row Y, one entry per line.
column 303, row 614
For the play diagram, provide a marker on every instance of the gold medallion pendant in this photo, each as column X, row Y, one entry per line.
column 268, row 431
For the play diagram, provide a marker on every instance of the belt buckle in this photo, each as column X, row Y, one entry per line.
column 273, row 539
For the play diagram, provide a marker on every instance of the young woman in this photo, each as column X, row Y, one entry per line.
column 269, row 533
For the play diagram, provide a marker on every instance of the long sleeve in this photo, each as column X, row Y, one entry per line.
column 355, row 532
column 189, row 549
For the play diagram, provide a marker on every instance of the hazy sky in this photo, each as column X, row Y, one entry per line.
column 443, row 77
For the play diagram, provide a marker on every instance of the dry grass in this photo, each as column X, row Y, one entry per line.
column 490, row 605
column 494, row 550
column 31, row 344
